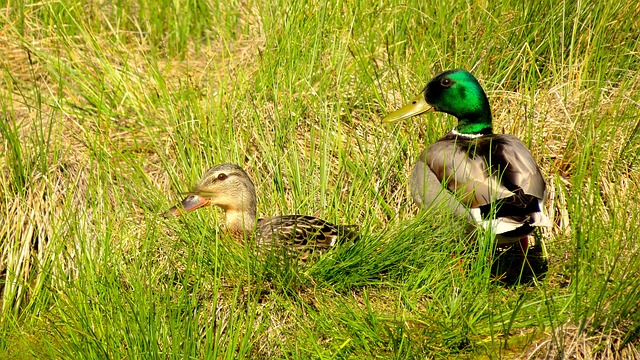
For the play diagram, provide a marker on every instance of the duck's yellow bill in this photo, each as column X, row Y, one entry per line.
column 417, row 106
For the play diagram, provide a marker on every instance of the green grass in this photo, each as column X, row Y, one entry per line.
column 111, row 109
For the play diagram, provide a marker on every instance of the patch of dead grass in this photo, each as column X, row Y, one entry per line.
column 569, row 342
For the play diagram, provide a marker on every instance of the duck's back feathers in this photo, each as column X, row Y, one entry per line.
column 486, row 168
column 493, row 175
column 464, row 175
column 302, row 232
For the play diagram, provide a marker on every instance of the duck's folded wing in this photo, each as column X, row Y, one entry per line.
column 494, row 174
column 468, row 177
column 298, row 231
column 520, row 168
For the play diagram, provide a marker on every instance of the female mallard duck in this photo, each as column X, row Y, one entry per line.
column 490, row 178
column 230, row 187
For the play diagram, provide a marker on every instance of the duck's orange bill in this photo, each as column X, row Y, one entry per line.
column 189, row 204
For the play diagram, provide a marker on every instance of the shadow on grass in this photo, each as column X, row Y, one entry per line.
column 515, row 266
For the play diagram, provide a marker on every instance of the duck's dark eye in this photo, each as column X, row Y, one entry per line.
column 446, row 82
column 222, row 176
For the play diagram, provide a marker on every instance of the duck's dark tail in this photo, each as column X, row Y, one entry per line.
column 348, row 232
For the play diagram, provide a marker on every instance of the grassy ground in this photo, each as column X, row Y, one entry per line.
column 111, row 109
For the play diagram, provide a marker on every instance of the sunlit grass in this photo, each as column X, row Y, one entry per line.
column 111, row 110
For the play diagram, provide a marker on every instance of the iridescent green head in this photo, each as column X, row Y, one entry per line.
column 454, row 92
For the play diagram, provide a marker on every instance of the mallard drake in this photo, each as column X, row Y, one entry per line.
column 230, row 187
column 490, row 178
